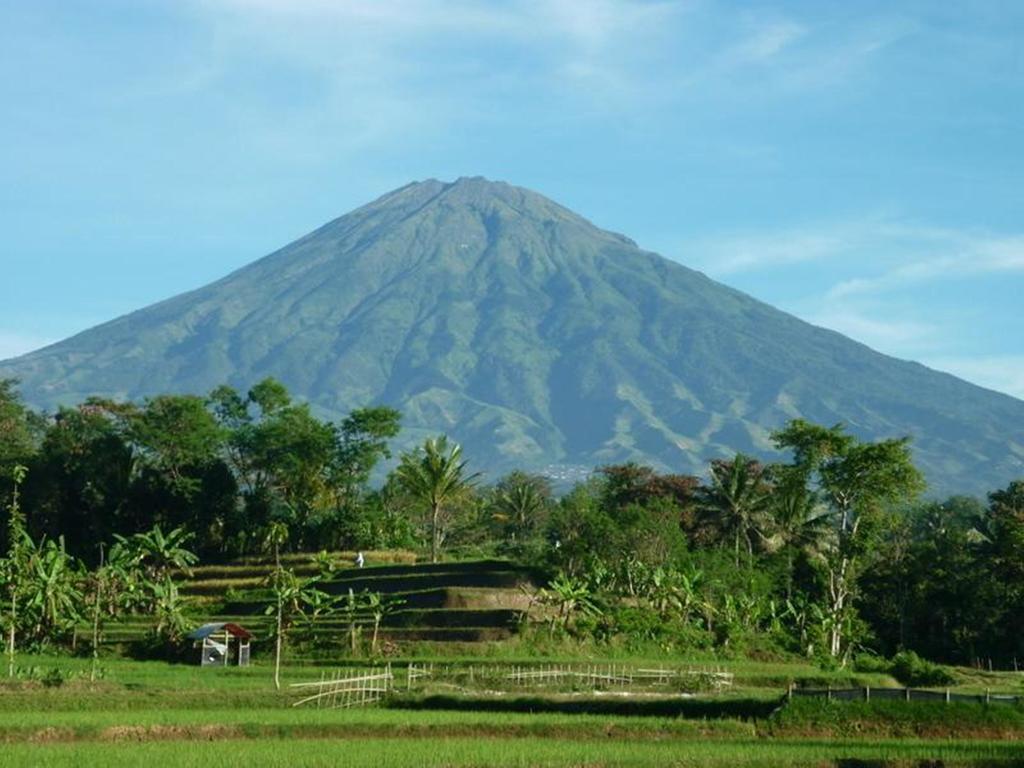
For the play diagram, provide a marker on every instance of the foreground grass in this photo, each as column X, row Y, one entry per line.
column 206, row 722
column 150, row 713
column 921, row 719
column 425, row 753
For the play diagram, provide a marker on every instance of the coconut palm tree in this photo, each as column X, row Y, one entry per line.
column 737, row 498
column 519, row 503
column 435, row 475
column 800, row 523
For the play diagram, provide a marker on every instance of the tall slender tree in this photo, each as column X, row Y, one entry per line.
column 799, row 522
column 858, row 481
column 736, row 500
column 435, row 475
column 14, row 567
column 520, row 503
column 283, row 585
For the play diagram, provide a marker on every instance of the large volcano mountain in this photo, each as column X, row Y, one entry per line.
column 534, row 338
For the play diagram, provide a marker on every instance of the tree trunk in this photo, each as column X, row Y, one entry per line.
column 352, row 620
column 435, row 514
column 376, row 628
column 280, row 620
column 789, row 573
column 837, row 603
column 96, row 630
column 277, row 648
column 10, row 634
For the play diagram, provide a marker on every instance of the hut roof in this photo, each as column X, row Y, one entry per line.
column 209, row 629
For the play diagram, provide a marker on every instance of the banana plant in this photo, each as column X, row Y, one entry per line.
column 55, row 598
column 168, row 609
column 157, row 553
column 380, row 606
column 570, row 596
column 289, row 597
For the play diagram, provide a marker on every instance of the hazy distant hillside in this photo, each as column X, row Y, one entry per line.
column 533, row 337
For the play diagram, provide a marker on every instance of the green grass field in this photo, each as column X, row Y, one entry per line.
column 460, row 620
column 401, row 751
column 155, row 713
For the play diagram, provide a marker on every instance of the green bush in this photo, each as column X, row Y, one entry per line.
column 869, row 664
column 910, row 669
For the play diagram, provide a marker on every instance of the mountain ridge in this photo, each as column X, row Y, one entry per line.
column 535, row 338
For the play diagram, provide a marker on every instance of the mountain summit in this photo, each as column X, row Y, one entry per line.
column 536, row 339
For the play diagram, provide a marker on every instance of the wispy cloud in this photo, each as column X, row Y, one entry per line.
column 866, row 278
column 893, row 251
column 374, row 73
column 424, row 63
column 732, row 254
column 939, row 254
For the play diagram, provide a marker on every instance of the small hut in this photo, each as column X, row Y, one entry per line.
column 222, row 644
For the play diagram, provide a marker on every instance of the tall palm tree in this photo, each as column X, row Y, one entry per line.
column 519, row 503
column 800, row 523
column 738, row 496
column 435, row 475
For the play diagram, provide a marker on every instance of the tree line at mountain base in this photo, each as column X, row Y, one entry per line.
column 831, row 555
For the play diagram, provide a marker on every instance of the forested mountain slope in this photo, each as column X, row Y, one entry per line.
column 534, row 338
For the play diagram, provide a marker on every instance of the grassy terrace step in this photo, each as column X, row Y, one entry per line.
column 219, row 587
column 499, row 617
column 217, row 580
column 465, row 598
column 466, row 567
column 438, row 635
column 138, row 626
column 234, row 572
column 511, row 579
column 367, row 583
column 446, row 602
column 372, row 557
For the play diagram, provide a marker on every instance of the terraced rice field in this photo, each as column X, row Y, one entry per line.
column 464, row 602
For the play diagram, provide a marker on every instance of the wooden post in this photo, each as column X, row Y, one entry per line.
column 789, row 691
column 947, row 696
column 829, row 694
column 867, row 693
column 988, row 695
column 906, row 694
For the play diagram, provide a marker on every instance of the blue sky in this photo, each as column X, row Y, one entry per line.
column 859, row 164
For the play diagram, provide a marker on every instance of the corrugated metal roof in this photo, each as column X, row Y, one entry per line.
column 214, row 627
